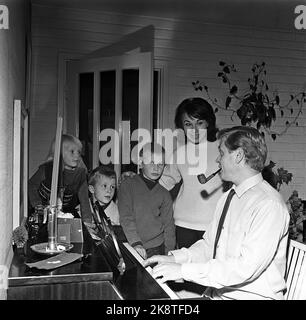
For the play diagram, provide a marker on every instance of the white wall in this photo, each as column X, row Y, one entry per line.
column 12, row 86
column 189, row 51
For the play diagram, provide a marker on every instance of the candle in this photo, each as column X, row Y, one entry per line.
column 52, row 215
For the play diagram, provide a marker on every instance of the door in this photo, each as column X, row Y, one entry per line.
column 109, row 93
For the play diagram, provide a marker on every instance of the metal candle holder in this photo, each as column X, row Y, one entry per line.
column 52, row 228
column 53, row 247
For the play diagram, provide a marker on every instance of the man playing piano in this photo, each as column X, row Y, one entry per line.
column 243, row 253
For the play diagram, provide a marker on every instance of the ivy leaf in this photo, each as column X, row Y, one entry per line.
column 226, row 69
column 284, row 175
column 220, row 74
column 233, row 90
column 277, row 100
column 243, row 121
column 258, row 125
column 272, row 113
column 271, row 164
column 227, row 102
column 273, row 135
column 200, row 88
column 224, row 80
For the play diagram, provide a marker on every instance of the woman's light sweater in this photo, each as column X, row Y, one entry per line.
column 195, row 204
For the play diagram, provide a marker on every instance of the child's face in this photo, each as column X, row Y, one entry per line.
column 152, row 164
column 71, row 155
column 104, row 189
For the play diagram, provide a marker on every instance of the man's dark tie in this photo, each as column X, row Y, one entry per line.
column 222, row 218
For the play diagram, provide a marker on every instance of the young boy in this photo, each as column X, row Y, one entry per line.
column 102, row 186
column 145, row 207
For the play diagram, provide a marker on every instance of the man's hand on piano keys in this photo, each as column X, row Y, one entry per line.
column 158, row 259
column 167, row 271
column 166, row 268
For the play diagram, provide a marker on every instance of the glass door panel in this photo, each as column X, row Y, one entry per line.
column 107, row 104
column 86, row 88
column 104, row 92
column 130, row 108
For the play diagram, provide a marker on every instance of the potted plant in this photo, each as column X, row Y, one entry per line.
column 19, row 238
column 256, row 105
column 296, row 210
column 276, row 178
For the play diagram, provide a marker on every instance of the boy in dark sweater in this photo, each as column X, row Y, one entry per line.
column 145, row 207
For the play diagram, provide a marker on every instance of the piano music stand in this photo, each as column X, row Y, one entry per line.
column 108, row 238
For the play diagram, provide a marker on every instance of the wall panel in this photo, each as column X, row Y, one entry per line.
column 189, row 51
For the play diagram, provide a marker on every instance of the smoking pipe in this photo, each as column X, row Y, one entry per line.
column 202, row 178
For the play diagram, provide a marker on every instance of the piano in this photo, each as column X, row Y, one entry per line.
column 108, row 267
column 94, row 276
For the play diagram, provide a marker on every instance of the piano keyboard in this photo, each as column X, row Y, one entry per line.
column 164, row 286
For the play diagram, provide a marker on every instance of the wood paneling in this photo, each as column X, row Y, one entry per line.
column 12, row 86
column 188, row 50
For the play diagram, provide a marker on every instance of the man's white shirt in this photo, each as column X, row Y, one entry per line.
column 251, row 254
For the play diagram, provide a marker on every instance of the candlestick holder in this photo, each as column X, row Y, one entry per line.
column 52, row 247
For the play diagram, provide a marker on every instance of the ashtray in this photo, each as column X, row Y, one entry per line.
column 42, row 248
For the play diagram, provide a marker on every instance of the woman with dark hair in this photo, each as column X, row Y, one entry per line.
column 200, row 109
column 196, row 202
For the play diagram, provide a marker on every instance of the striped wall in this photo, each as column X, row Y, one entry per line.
column 187, row 51
column 12, row 86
